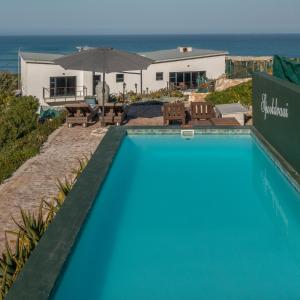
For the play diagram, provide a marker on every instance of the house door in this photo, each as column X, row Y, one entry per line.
column 96, row 79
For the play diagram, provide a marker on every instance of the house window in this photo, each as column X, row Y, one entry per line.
column 159, row 76
column 120, row 78
column 63, row 86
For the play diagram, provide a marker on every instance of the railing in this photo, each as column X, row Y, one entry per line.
column 64, row 94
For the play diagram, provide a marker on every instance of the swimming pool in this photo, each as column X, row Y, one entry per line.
column 206, row 218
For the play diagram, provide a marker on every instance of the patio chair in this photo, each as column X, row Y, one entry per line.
column 81, row 113
column 174, row 112
column 201, row 111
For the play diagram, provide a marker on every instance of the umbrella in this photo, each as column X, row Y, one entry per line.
column 104, row 60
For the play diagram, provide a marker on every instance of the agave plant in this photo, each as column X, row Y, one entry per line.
column 32, row 227
column 12, row 261
column 82, row 165
column 66, row 186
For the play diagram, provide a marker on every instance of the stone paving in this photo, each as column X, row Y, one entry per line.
column 37, row 178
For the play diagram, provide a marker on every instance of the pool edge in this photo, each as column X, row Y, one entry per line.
column 41, row 272
column 279, row 161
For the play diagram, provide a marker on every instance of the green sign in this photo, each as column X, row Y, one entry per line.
column 276, row 115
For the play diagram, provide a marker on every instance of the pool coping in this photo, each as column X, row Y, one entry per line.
column 40, row 274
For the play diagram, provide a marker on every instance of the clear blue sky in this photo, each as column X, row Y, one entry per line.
column 148, row 16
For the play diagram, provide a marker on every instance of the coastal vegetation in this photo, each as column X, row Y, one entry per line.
column 8, row 83
column 21, row 135
column 21, row 242
column 162, row 93
column 241, row 93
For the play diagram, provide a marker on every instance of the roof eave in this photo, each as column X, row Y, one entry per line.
column 48, row 62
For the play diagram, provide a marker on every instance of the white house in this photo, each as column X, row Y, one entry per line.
column 53, row 85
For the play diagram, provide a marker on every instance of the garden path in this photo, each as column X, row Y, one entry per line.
column 37, row 178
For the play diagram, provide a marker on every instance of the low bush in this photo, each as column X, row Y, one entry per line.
column 132, row 96
column 8, row 83
column 18, row 117
column 21, row 135
column 241, row 93
column 15, row 152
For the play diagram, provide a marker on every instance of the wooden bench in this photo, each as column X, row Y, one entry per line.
column 201, row 111
column 81, row 113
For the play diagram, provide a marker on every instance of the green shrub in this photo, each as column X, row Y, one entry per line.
column 21, row 136
column 132, row 96
column 18, row 117
column 241, row 93
column 15, row 152
column 8, row 83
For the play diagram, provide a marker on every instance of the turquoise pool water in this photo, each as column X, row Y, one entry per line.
column 206, row 218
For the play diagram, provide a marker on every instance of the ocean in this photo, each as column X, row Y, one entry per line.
column 235, row 44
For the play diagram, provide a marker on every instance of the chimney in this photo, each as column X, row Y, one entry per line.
column 185, row 49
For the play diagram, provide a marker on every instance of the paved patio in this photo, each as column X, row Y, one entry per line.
column 36, row 179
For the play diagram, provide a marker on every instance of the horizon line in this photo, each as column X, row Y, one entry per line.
column 144, row 34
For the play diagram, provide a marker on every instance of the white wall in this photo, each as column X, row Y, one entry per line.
column 35, row 76
column 214, row 67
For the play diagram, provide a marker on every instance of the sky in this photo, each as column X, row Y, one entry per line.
column 23, row 17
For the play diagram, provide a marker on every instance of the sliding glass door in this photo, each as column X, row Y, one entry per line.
column 186, row 80
column 63, row 86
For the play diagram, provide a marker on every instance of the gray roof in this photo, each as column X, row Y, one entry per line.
column 175, row 54
column 39, row 57
column 158, row 56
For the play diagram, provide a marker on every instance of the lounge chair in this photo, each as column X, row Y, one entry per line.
column 201, row 111
column 174, row 112
column 81, row 113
